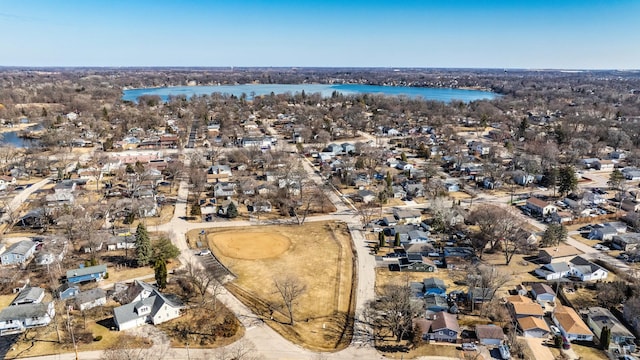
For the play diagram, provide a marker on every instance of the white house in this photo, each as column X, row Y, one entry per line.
column 570, row 324
column 534, row 327
column 541, row 207
column 585, row 270
column 553, row 271
column 18, row 318
column 91, row 298
column 543, row 293
column 155, row 309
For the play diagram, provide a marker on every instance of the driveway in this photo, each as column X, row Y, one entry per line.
column 541, row 351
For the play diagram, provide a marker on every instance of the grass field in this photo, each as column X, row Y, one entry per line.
column 318, row 254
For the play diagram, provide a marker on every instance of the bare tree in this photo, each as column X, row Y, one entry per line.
column 486, row 278
column 290, row 289
column 204, row 279
column 366, row 212
column 394, row 311
column 240, row 350
column 495, row 225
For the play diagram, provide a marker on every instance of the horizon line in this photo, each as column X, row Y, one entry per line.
column 23, row 67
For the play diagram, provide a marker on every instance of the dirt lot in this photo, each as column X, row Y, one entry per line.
column 318, row 254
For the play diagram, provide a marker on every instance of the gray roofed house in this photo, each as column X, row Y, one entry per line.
column 155, row 309
column 553, row 271
column 29, row 295
column 17, row 319
column 408, row 216
column 417, row 236
column 598, row 318
column 18, row 253
column 626, row 242
column 91, row 298
column 435, row 303
column 137, row 291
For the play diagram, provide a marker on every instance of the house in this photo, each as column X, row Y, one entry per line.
column 523, row 179
column 60, row 197
column 224, row 207
column 604, row 233
column 119, row 242
column 479, row 295
column 224, row 189
column 604, row 165
column 414, row 189
column 570, row 324
column 451, row 187
column 533, row 327
column 91, row 273
column 89, row 299
column 424, row 265
column 540, row 207
column 405, row 166
column 435, row 303
column 348, row 148
column 557, row 253
column 67, row 292
column 220, row 170
column 525, row 309
column 28, row 295
column 593, row 198
column 562, row 216
column 154, row 309
column 18, row 253
column 434, row 286
column 490, row 335
column 626, row 242
column 389, row 221
column 630, row 205
column 444, row 327
column 543, row 293
column 621, row 337
column 7, row 180
column 585, row 270
column 553, row 271
column 17, row 319
column 263, row 206
column 134, row 292
column 333, row 148
column 417, row 236
column 366, row 196
column 408, row 216
column 398, row 192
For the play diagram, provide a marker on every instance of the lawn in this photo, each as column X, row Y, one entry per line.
column 451, row 351
column 588, row 352
column 318, row 254
column 44, row 341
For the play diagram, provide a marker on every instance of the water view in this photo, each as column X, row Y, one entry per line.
column 439, row 94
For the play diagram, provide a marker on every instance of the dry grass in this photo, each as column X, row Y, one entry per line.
column 385, row 277
column 582, row 298
column 459, row 195
column 166, row 213
column 588, row 352
column 318, row 254
column 424, row 349
column 43, row 341
column 5, row 300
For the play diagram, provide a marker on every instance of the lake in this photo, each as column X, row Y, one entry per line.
column 12, row 138
column 439, row 94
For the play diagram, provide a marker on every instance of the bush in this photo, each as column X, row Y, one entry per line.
column 106, row 275
column 97, row 338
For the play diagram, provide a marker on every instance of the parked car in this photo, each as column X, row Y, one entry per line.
column 504, row 352
column 554, row 330
column 469, row 347
column 601, row 247
column 204, row 252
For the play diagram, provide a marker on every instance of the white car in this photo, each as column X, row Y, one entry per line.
column 469, row 347
column 504, row 352
column 601, row 247
column 554, row 330
column 204, row 252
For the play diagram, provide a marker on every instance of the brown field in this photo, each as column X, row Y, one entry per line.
column 318, row 254
column 425, row 349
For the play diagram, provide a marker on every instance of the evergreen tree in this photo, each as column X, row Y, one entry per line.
column 381, row 239
column 396, row 241
column 605, row 338
column 196, row 210
column 403, row 157
column 616, row 179
column 232, row 211
column 567, row 180
column 143, row 245
column 160, row 270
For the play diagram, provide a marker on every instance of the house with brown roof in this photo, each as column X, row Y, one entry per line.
column 543, row 293
column 571, row 324
column 532, row 326
column 442, row 326
column 518, row 299
column 559, row 253
column 540, row 207
column 491, row 335
column 525, row 309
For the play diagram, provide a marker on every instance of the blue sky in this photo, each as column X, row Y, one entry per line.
column 565, row 34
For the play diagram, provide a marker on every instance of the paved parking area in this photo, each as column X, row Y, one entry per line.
column 542, row 352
